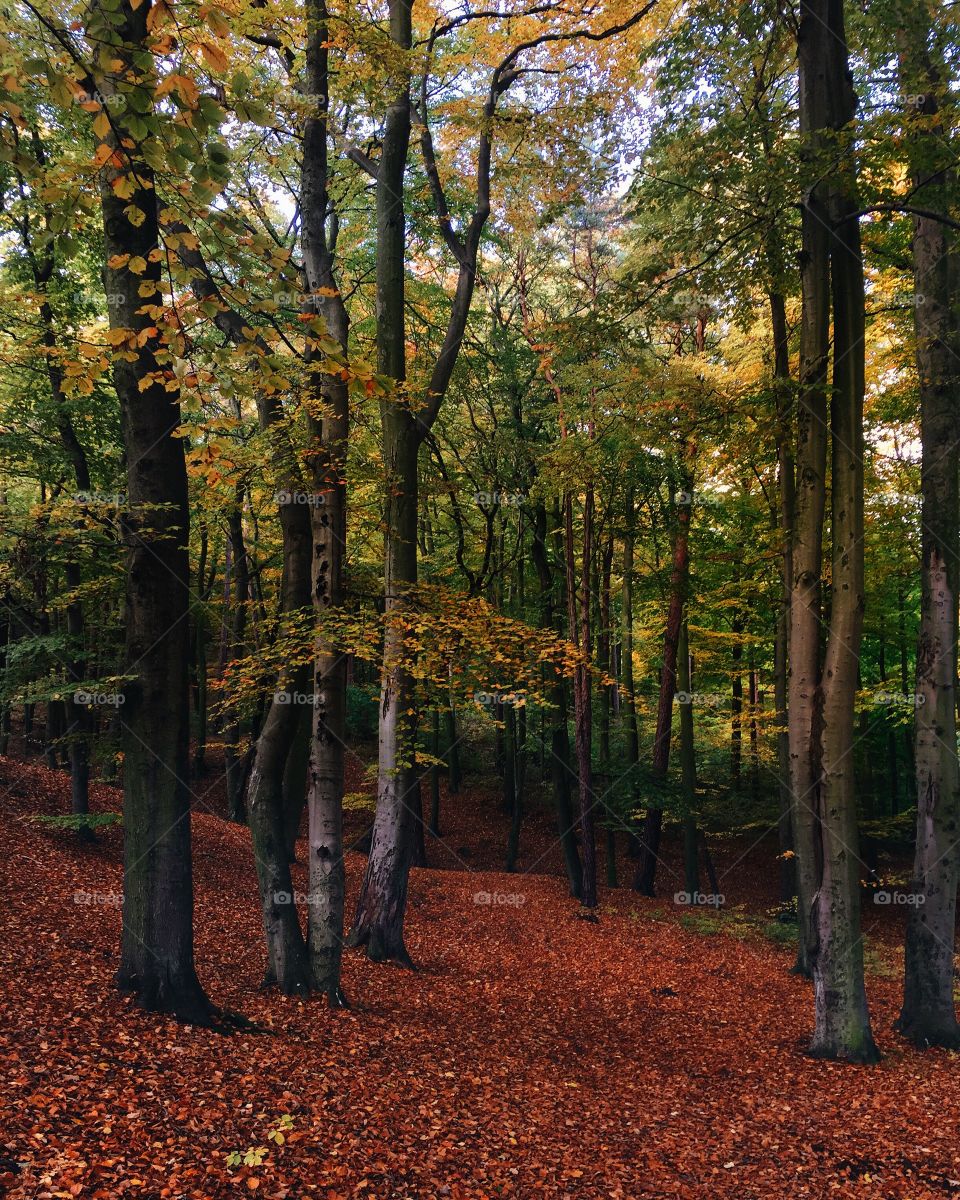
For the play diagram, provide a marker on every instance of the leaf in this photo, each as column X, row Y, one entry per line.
column 214, row 56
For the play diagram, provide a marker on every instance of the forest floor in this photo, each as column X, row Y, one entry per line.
column 657, row 1053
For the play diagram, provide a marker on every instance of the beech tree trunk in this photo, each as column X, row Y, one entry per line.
column 378, row 923
column 233, row 762
column 559, row 736
column 781, row 654
column 811, row 464
column 156, row 951
column 928, row 1015
column 842, row 1028
column 688, row 767
column 646, row 872
column 579, row 634
column 329, row 421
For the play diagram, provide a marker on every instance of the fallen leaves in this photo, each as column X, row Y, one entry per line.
column 532, row 1055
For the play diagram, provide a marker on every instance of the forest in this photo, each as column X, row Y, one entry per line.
column 479, row 534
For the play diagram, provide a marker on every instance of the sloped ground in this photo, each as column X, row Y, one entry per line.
column 532, row 1055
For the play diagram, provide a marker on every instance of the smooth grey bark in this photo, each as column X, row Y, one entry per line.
column 928, row 1014
column 803, row 698
column 786, row 480
column 688, row 766
column 233, row 762
column 645, row 877
column 329, row 412
column 156, row 951
column 559, row 735
column 842, row 1021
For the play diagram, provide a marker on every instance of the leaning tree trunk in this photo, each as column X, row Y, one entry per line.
column 287, row 964
column 928, row 1015
column 807, row 555
column 842, row 1028
column 156, row 951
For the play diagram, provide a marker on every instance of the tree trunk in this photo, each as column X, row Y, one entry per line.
column 582, row 698
column 559, row 735
column 233, row 763
column 842, row 1027
column 928, row 1015
column 781, row 652
column 156, row 953
column 688, row 767
column 329, row 422
column 803, row 692
column 645, row 877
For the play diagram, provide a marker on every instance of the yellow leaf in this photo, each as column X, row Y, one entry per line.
column 136, row 216
column 101, row 125
column 137, row 264
column 214, row 56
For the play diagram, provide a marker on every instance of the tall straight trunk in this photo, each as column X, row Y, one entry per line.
column 378, row 923
column 688, row 767
column 646, row 872
column 198, row 654
column 842, row 1022
column 579, row 633
column 781, row 653
column 77, row 729
column 329, row 422
column 905, row 686
column 434, row 825
column 559, row 735
column 811, row 465
column 156, row 950
column 454, row 773
column 893, row 771
column 295, row 774
column 736, row 701
column 233, row 763
column 928, row 1015
column 753, row 697
column 513, row 800
column 605, row 655
column 629, row 683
